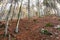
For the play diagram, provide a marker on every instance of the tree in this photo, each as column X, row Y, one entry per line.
column 57, row 8
column 7, row 20
column 38, row 7
column 15, row 2
column 58, row 1
column 50, row 4
column 28, row 8
column 2, row 11
column 17, row 30
column 9, row 37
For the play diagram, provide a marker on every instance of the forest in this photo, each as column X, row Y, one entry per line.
column 29, row 19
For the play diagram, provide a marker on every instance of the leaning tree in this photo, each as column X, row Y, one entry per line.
column 7, row 19
column 17, row 30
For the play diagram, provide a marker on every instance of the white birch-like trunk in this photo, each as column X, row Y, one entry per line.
column 17, row 30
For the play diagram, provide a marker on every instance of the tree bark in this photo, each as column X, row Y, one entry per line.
column 7, row 21
column 17, row 30
column 28, row 9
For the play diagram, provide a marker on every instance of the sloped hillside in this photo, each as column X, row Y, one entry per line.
column 44, row 28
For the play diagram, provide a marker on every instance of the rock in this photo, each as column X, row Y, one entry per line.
column 58, row 26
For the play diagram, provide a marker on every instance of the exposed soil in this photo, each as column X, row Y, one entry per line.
column 29, row 29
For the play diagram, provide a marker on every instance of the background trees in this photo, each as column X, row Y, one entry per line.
column 47, row 4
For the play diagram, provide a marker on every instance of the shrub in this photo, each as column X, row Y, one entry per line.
column 45, row 32
column 58, row 28
column 49, row 25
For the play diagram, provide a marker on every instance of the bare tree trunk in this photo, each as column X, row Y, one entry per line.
column 14, row 9
column 7, row 21
column 38, row 7
column 13, row 13
column 9, row 38
column 58, row 10
column 28, row 9
column 17, row 30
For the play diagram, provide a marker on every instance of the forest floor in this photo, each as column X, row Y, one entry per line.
column 30, row 29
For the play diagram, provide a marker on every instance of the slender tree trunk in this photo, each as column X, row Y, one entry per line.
column 17, row 30
column 28, row 9
column 14, row 9
column 7, row 21
column 38, row 7
column 13, row 13
column 9, row 38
